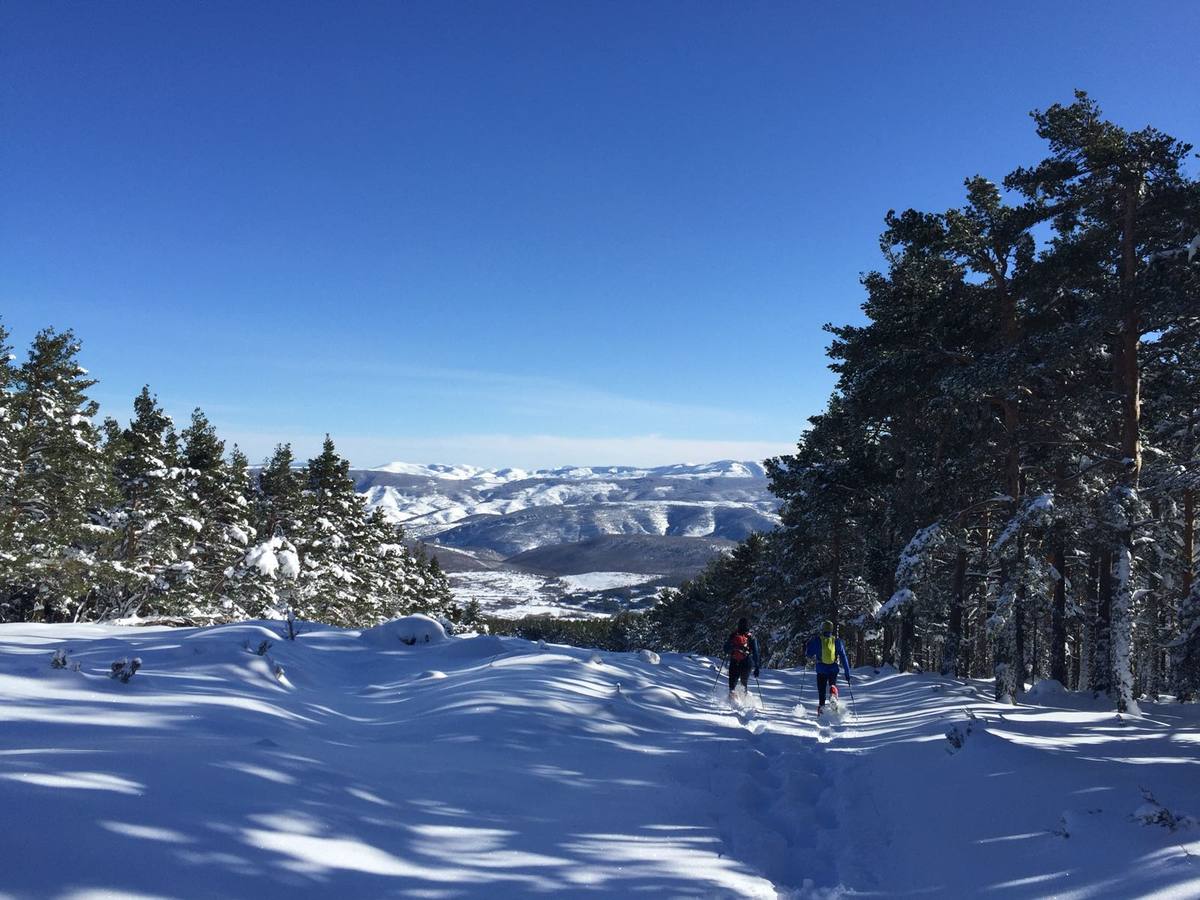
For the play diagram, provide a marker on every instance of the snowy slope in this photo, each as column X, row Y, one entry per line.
column 481, row 767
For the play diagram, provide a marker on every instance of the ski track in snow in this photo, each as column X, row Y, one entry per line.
column 486, row 767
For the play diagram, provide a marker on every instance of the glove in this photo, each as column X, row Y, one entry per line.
column 756, row 673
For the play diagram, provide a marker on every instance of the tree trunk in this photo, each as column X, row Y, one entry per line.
column 958, row 601
column 1019, row 605
column 1087, row 633
column 1130, row 385
column 907, row 638
column 1058, row 620
column 984, row 612
column 1187, row 552
column 1102, row 669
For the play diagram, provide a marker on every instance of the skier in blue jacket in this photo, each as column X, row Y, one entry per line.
column 828, row 651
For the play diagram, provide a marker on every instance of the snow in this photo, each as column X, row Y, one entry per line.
column 512, row 595
column 489, row 767
column 453, row 473
column 603, row 581
column 289, row 563
column 263, row 558
column 407, row 630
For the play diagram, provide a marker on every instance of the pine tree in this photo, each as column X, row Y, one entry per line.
column 150, row 519
column 331, row 541
column 267, row 580
column 219, row 514
column 51, row 522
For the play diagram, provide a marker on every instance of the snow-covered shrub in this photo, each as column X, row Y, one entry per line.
column 957, row 735
column 1046, row 689
column 59, row 659
column 1151, row 812
column 649, row 656
column 124, row 669
column 407, row 630
column 263, row 647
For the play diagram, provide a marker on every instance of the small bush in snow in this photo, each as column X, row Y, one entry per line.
column 263, row 647
column 957, row 734
column 59, row 659
column 1151, row 812
column 124, row 669
column 1064, row 829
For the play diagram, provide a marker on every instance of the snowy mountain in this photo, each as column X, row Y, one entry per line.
column 483, row 523
column 353, row 764
column 510, row 510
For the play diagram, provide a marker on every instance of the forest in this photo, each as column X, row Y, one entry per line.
column 1004, row 480
column 146, row 524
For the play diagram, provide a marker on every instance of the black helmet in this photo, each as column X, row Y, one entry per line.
column 743, row 624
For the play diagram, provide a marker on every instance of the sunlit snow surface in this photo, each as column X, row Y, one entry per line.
column 512, row 595
column 486, row 767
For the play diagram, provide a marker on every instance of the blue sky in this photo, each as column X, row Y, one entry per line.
column 512, row 233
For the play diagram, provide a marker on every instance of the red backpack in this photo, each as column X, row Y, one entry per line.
column 740, row 646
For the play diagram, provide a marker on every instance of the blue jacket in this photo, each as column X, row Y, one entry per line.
column 814, row 649
column 753, row 648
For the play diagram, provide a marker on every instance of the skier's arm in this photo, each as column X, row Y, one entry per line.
column 845, row 661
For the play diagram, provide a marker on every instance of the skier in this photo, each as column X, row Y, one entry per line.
column 742, row 648
column 828, row 650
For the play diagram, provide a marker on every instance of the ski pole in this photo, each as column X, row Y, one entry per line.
column 762, row 704
column 850, row 688
column 720, row 669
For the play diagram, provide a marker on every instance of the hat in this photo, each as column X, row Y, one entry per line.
column 827, row 626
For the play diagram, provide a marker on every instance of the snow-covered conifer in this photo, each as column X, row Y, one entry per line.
column 51, row 522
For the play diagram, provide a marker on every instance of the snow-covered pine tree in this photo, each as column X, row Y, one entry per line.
column 51, row 522
column 1117, row 195
column 151, row 520
column 331, row 539
column 267, row 580
column 218, row 511
column 8, row 458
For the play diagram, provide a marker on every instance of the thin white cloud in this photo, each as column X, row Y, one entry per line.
column 525, row 395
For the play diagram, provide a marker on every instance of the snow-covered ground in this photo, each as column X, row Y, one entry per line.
column 603, row 581
column 512, row 595
column 350, row 764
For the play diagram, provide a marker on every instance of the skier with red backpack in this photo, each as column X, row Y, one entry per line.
column 828, row 651
column 742, row 648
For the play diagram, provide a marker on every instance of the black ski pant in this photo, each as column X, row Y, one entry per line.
column 739, row 670
column 824, row 680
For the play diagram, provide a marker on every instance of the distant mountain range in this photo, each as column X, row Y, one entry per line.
column 495, row 514
column 585, row 541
